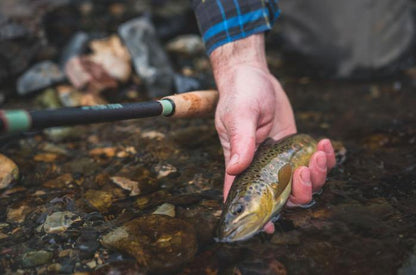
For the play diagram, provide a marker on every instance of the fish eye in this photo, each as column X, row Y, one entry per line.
column 237, row 209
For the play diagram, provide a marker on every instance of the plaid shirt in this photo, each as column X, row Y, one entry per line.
column 224, row 21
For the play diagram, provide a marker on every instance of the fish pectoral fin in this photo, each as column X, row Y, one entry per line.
column 285, row 178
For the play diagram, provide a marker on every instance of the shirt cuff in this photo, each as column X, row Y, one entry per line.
column 224, row 21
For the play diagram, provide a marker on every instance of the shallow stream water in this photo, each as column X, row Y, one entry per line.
column 86, row 197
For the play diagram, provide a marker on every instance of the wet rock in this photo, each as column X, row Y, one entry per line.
column 164, row 169
column 35, row 258
column 144, row 202
column 11, row 30
column 185, row 84
column 55, row 149
column 70, row 97
column 60, row 133
column 153, row 135
column 3, row 236
column 149, row 59
column 18, row 213
column 188, row 44
column 127, row 184
column 40, row 76
column 158, row 243
column 60, row 182
column 260, row 267
column 84, row 72
column 87, row 243
column 59, row 222
column 121, row 267
column 48, row 99
column 286, row 238
column 8, row 171
column 107, row 152
column 113, row 56
column 76, row 46
column 45, row 157
column 165, row 209
column 101, row 200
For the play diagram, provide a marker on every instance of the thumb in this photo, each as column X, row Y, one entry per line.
column 242, row 138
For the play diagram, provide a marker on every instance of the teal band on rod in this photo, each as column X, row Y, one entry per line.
column 17, row 120
column 167, row 106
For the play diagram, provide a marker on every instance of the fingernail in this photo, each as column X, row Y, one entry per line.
column 328, row 147
column 321, row 162
column 306, row 176
column 234, row 160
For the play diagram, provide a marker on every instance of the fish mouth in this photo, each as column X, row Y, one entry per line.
column 238, row 231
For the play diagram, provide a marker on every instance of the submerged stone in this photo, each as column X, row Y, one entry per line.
column 159, row 243
column 40, row 76
column 76, row 46
column 35, row 258
column 8, row 171
column 165, row 209
column 59, row 222
column 18, row 214
column 127, row 184
column 149, row 59
column 101, row 200
column 120, row 267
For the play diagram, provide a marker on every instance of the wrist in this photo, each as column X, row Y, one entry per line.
column 249, row 51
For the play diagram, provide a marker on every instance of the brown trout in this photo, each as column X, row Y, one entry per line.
column 259, row 193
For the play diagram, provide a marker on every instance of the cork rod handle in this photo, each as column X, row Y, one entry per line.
column 194, row 104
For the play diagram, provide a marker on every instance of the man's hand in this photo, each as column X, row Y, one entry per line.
column 252, row 107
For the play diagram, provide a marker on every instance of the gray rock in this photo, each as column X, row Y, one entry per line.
column 8, row 171
column 149, row 59
column 40, row 76
column 76, row 46
column 59, row 222
column 185, row 84
column 35, row 258
column 165, row 209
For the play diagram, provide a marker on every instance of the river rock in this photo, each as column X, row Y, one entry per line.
column 187, row 44
column 165, row 209
column 18, row 213
column 48, row 99
column 113, row 56
column 40, row 76
column 35, row 258
column 76, row 46
column 127, row 184
column 157, row 242
column 163, row 169
column 183, row 84
column 8, row 171
column 83, row 72
column 59, row 222
column 149, row 59
column 101, row 200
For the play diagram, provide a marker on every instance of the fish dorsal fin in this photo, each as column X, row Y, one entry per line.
column 285, row 176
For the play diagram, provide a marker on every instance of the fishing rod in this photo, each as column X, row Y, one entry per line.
column 186, row 105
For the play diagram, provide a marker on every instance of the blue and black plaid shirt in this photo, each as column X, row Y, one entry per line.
column 224, row 21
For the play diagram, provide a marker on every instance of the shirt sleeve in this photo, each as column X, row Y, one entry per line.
column 224, row 21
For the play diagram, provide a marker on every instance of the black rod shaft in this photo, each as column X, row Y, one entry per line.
column 41, row 119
